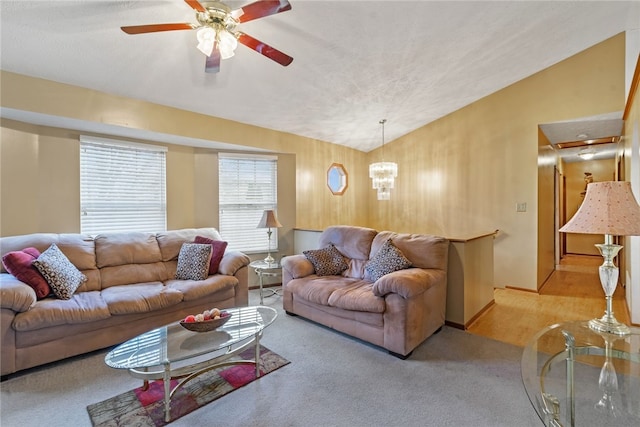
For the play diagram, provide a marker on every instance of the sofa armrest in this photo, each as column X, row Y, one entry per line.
column 408, row 283
column 15, row 295
column 232, row 261
column 297, row 266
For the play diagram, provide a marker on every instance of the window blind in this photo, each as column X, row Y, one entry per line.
column 248, row 186
column 122, row 186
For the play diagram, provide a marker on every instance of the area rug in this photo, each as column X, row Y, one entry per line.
column 140, row 407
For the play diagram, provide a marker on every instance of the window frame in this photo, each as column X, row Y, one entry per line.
column 124, row 184
column 248, row 239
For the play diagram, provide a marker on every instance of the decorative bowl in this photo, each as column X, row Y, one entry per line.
column 205, row 325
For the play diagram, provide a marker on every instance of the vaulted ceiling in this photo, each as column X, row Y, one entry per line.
column 355, row 62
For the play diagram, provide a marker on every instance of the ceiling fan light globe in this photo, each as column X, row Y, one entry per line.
column 206, row 33
column 206, row 39
column 226, row 54
column 206, row 47
column 227, row 40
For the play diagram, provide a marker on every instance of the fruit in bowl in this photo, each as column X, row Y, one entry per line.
column 205, row 321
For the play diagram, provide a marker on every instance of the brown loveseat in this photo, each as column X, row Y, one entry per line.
column 398, row 311
column 130, row 289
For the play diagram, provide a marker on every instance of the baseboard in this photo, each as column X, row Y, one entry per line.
column 473, row 319
column 480, row 313
column 454, row 325
column 514, row 288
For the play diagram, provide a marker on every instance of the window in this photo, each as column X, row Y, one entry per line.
column 122, row 186
column 248, row 186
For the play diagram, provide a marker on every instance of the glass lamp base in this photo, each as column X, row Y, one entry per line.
column 609, row 326
column 269, row 259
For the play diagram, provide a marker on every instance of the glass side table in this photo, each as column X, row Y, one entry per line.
column 575, row 376
column 264, row 269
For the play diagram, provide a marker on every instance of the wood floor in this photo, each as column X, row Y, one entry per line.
column 572, row 292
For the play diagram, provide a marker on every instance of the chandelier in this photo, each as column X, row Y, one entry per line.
column 383, row 173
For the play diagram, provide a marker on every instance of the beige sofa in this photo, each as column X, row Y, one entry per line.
column 130, row 289
column 398, row 311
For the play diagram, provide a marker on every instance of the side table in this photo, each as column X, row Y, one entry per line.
column 264, row 269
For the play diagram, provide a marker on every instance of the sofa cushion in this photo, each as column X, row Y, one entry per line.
column 134, row 273
column 352, row 242
column 140, row 298
column 80, row 308
column 218, row 247
column 194, row 290
column 19, row 264
column 193, row 261
column 327, row 261
column 387, row 260
column 63, row 277
column 318, row 289
column 115, row 249
column 170, row 242
column 423, row 250
column 357, row 296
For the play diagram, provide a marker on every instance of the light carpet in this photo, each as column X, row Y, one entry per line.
column 452, row 379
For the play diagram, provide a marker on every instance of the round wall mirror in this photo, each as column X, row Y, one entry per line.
column 337, row 179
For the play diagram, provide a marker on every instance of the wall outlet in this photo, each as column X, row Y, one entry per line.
column 521, row 207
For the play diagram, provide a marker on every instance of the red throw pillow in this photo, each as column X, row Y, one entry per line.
column 218, row 247
column 18, row 263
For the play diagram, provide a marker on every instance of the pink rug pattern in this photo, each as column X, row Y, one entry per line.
column 140, row 407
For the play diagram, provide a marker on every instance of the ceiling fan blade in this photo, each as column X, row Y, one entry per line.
column 195, row 5
column 261, row 9
column 264, row 49
column 154, row 28
column 213, row 61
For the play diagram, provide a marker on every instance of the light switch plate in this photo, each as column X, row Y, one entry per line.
column 521, row 207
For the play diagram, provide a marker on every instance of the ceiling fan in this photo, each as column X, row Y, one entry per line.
column 217, row 30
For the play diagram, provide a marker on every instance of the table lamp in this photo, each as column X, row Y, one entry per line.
column 269, row 221
column 608, row 208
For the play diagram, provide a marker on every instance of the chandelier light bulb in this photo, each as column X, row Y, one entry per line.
column 383, row 173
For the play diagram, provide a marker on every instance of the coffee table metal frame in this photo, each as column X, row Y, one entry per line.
column 172, row 352
column 564, row 343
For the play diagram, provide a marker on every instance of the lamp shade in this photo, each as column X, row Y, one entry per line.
column 608, row 208
column 269, row 220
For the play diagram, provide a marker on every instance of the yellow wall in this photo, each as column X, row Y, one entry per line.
column 630, row 275
column 460, row 175
column 467, row 171
column 574, row 172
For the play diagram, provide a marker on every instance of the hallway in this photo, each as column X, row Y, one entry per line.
column 572, row 292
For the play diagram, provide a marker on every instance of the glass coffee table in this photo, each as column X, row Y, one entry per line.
column 575, row 376
column 174, row 352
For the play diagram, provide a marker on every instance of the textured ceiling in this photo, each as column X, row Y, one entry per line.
column 355, row 62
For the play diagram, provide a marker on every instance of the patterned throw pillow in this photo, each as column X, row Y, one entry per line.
column 327, row 261
column 387, row 260
column 218, row 247
column 63, row 277
column 20, row 265
column 193, row 261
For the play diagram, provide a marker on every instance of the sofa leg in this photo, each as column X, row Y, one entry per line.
column 400, row 356
column 290, row 313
